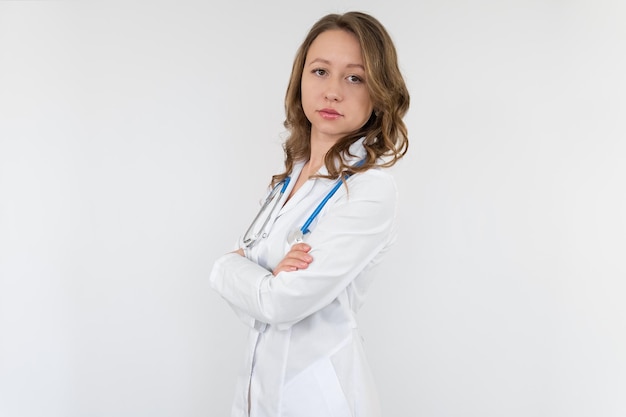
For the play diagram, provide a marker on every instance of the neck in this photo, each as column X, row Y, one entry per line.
column 319, row 149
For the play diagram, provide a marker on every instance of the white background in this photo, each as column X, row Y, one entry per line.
column 136, row 140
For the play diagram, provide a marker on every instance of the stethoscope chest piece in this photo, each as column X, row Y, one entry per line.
column 296, row 236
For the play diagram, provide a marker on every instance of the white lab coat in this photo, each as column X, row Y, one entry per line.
column 305, row 356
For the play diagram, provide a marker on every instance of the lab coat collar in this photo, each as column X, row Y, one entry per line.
column 355, row 153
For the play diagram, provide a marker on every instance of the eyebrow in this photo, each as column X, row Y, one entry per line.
column 327, row 62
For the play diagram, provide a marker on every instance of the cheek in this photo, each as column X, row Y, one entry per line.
column 306, row 104
column 307, row 85
column 305, row 93
column 367, row 106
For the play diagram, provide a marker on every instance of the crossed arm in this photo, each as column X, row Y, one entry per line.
column 297, row 258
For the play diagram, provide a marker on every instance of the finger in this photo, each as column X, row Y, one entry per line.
column 239, row 252
column 299, row 256
column 283, row 268
column 298, row 262
column 290, row 265
column 301, row 247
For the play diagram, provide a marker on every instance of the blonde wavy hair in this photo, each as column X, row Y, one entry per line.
column 385, row 133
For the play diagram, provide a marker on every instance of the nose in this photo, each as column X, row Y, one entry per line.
column 333, row 90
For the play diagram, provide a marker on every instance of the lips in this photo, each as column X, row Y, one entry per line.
column 330, row 114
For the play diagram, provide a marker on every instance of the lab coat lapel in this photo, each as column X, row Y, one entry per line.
column 355, row 153
column 312, row 186
column 295, row 173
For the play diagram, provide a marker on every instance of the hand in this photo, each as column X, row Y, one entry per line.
column 297, row 258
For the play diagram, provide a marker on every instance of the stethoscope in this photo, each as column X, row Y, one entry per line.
column 256, row 233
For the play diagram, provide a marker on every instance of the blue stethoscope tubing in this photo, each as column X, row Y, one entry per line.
column 305, row 227
column 280, row 188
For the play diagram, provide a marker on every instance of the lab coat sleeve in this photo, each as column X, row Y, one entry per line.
column 347, row 237
column 246, row 318
column 243, row 315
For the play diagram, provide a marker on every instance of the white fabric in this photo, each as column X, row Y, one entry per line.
column 305, row 355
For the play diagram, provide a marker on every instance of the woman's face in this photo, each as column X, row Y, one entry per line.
column 335, row 97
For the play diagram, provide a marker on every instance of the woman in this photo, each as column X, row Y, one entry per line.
column 303, row 268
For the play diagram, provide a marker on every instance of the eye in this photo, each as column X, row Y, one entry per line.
column 354, row 79
column 319, row 72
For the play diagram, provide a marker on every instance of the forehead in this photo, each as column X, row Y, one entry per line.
column 337, row 47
